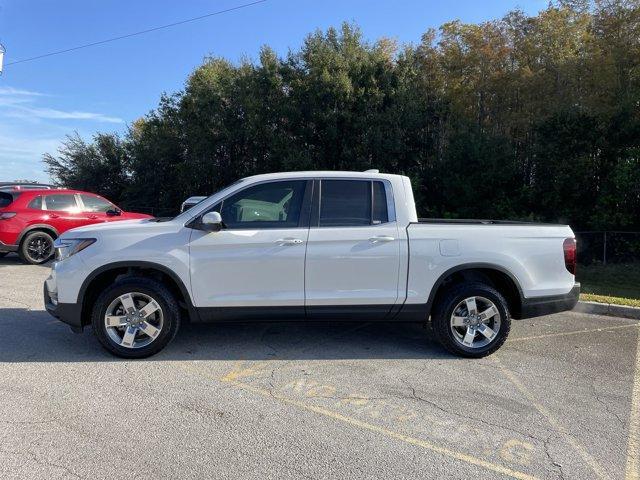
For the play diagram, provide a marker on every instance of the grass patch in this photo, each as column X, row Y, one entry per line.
column 629, row 302
column 619, row 283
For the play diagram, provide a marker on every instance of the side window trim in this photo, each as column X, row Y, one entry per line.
column 388, row 190
column 80, row 203
column 391, row 204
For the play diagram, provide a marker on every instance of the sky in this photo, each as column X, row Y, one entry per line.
column 106, row 87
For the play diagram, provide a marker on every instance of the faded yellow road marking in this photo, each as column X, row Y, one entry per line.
column 517, row 451
column 574, row 332
column 588, row 459
column 238, row 372
column 230, row 379
column 632, row 472
column 384, row 431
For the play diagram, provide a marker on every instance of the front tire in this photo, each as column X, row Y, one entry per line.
column 36, row 248
column 471, row 320
column 135, row 317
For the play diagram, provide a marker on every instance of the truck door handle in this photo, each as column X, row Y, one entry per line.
column 53, row 215
column 92, row 217
column 381, row 239
column 289, row 241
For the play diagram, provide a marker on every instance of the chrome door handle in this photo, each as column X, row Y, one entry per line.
column 381, row 239
column 289, row 241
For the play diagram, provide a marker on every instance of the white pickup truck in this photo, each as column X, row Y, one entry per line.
column 308, row 246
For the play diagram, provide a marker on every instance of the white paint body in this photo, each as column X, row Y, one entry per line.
column 328, row 266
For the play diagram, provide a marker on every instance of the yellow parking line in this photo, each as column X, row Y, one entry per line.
column 384, row 431
column 574, row 332
column 632, row 472
column 237, row 371
column 588, row 459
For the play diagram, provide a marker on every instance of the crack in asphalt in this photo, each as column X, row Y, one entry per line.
column 415, row 396
column 605, row 404
column 557, row 465
column 44, row 462
column 17, row 301
column 545, row 442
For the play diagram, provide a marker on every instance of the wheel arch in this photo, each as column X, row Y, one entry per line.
column 495, row 275
column 110, row 272
column 40, row 227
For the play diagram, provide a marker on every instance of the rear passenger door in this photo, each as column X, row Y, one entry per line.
column 353, row 252
column 62, row 211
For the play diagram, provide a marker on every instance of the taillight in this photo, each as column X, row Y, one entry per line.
column 570, row 257
column 7, row 215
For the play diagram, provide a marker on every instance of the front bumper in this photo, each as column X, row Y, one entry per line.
column 4, row 248
column 538, row 306
column 69, row 313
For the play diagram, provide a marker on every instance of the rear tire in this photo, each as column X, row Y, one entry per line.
column 471, row 320
column 132, row 333
column 36, row 248
column 3, row 254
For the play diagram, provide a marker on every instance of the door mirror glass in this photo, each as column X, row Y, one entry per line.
column 114, row 212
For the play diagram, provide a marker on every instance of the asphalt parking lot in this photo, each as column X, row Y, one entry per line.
column 560, row 400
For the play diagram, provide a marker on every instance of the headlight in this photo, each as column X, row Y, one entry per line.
column 70, row 246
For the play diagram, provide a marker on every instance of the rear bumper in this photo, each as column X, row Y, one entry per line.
column 538, row 306
column 69, row 313
column 4, row 248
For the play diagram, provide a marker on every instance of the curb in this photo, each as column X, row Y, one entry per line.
column 609, row 309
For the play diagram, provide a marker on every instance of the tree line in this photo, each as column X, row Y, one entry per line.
column 523, row 117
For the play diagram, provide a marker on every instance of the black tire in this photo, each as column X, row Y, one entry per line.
column 146, row 286
column 444, row 309
column 36, row 240
column 3, row 254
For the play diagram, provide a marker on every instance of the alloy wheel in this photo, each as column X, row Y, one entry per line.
column 39, row 248
column 133, row 320
column 475, row 322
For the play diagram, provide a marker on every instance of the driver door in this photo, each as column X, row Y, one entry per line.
column 255, row 265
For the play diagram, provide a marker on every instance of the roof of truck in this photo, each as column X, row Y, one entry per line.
column 320, row 173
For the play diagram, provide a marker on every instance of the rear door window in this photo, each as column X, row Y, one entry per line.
column 345, row 203
column 353, row 203
column 65, row 202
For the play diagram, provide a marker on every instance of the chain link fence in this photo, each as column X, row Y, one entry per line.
column 608, row 247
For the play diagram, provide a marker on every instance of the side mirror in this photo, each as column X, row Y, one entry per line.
column 114, row 212
column 212, row 222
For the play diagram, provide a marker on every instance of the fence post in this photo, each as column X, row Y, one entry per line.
column 604, row 253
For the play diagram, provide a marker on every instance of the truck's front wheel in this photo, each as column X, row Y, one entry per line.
column 471, row 320
column 135, row 317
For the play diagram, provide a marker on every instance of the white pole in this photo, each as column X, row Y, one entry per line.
column 2, row 50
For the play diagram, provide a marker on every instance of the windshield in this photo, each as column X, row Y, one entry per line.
column 211, row 200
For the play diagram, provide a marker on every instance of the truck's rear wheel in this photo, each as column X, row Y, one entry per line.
column 471, row 320
column 135, row 317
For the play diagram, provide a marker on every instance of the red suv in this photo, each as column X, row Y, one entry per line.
column 30, row 220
